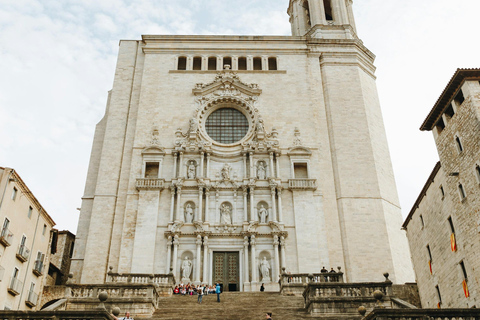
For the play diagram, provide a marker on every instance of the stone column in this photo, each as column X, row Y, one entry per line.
column 198, row 259
column 275, row 268
column 234, row 215
column 200, row 173
column 280, row 212
column 169, row 254
column 254, row 260
column 249, row 62
column 207, row 203
column 205, row 259
column 245, row 165
column 204, row 62
column 180, row 171
column 282, row 252
column 175, row 159
column 179, row 204
column 277, row 162
column 234, row 62
column 253, row 216
column 176, row 242
column 189, row 63
column 272, row 168
column 274, row 204
column 198, row 212
column 208, row 165
column 245, row 204
column 245, row 257
column 252, row 171
column 210, row 275
column 172, row 208
column 264, row 63
column 217, row 220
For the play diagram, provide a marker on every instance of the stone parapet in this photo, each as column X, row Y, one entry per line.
column 58, row 315
column 420, row 314
column 295, row 284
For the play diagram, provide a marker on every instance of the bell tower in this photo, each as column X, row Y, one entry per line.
column 325, row 19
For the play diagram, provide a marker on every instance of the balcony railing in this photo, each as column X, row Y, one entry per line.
column 23, row 253
column 149, row 184
column 302, row 184
column 6, row 237
column 2, row 272
column 32, row 299
column 15, row 286
column 38, row 268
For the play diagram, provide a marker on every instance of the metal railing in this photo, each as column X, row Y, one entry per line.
column 149, row 183
column 6, row 237
column 38, row 267
column 23, row 253
column 15, row 286
column 32, row 299
column 302, row 184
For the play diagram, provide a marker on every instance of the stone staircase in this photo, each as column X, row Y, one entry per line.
column 233, row 306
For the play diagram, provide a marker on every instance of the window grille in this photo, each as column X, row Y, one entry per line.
column 227, row 125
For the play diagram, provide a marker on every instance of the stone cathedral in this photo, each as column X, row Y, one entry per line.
column 232, row 159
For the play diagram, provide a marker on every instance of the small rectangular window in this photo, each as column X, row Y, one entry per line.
column 449, row 112
column 227, row 61
column 44, row 229
column 459, row 145
column 300, row 170
column 461, row 190
column 182, row 63
column 477, row 172
column 459, row 98
column 442, row 192
column 151, row 170
column 439, row 296
column 272, row 63
column 450, row 223
column 464, row 270
column 14, row 193
column 30, row 210
column 440, row 125
column 421, row 220
column 429, row 253
column 6, row 224
column 212, row 63
column 242, row 63
column 328, row 10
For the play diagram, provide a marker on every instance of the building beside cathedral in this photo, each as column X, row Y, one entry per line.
column 228, row 158
column 444, row 224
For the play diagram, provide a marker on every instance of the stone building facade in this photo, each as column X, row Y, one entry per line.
column 24, row 244
column 63, row 243
column 444, row 224
column 228, row 158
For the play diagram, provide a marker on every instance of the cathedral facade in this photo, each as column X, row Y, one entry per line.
column 231, row 159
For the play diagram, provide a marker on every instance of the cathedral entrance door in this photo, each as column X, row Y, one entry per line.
column 225, row 270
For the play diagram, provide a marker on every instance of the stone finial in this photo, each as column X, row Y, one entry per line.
column 102, row 296
column 386, row 275
column 116, row 311
column 362, row 310
column 378, row 295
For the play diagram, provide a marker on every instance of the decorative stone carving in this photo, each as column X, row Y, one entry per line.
column 188, row 213
column 193, row 125
column 155, row 134
column 263, row 214
column 186, row 269
column 191, row 170
column 225, row 172
column 175, row 227
column 261, row 170
column 198, row 227
column 297, row 141
column 226, row 214
column 252, row 227
column 265, row 270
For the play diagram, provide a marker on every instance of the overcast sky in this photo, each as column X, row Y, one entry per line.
column 57, row 61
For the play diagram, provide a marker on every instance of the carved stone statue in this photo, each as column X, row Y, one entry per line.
column 261, row 170
column 186, row 269
column 191, row 171
column 263, row 214
column 188, row 213
column 260, row 128
column 226, row 172
column 225, row 214
column 193, row 125
column 265, row 270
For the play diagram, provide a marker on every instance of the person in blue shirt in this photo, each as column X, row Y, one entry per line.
column 218, row 291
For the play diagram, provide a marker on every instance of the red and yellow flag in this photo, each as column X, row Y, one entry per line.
column 453, row 242
column 465, row 288
column 430, row 266
column 439, row 305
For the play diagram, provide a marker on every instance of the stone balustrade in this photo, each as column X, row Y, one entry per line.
column 302, row 184
column 150, row 184
column 57, row 315
column 295, row 284
column 137, row 278
column 423, row 314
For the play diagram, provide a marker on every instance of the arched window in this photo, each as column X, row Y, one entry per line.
column 242, row 63
column 197, row 63
column 182, row 63
column 272, row 63
column 227, row 60
column 212, row 63
column 257, row 63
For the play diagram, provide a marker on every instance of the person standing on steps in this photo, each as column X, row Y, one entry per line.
column 218, row 291
column 262, row 287
column 268, row 316
column 200, row 294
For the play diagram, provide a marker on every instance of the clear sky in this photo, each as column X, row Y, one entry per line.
column 57, row 61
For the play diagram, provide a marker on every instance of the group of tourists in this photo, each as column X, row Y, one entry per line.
column 199, row 290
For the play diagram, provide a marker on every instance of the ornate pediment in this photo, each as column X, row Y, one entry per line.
column 153, row 150
column 226, row 83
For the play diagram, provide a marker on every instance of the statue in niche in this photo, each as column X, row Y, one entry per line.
column 186, row 269
column 263, row 214
column 191, row 170
column 188, row 213
column 225, row 214
column 193, row 125
column 265, row 270
column 260, row 128
column 226, row 172
column 261, row 170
